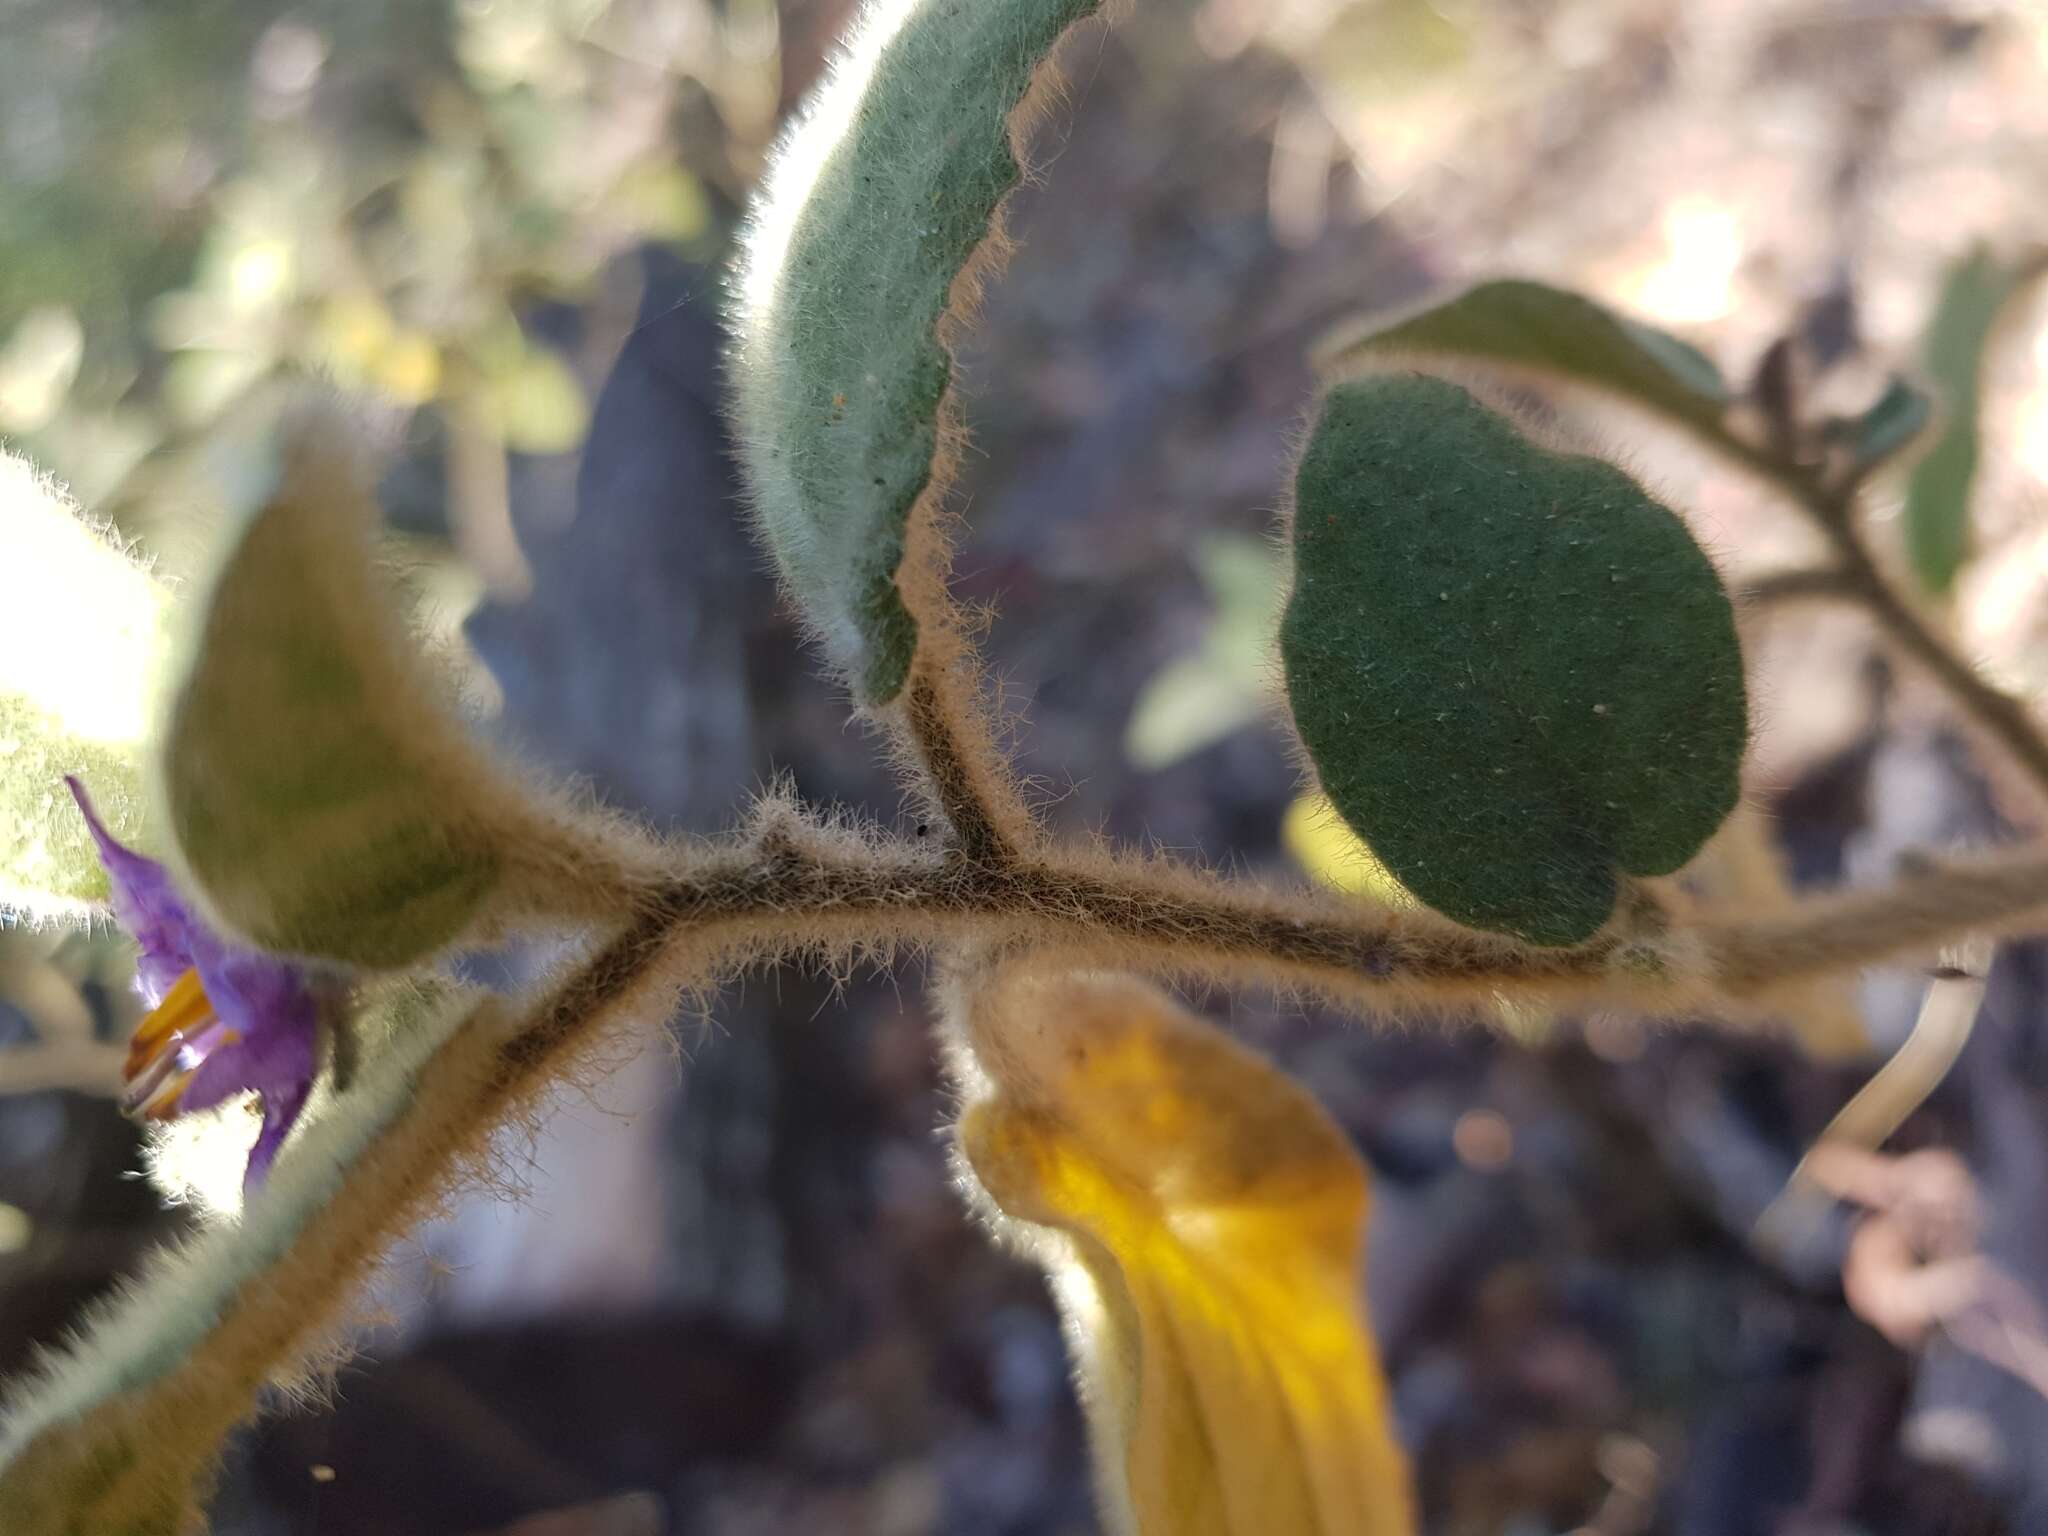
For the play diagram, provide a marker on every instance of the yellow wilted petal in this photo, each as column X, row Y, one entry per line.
column 1202, row 1221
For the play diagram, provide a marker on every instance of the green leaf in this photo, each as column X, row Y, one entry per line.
column 81, row 648
column 1199, row 699
column 881, row 196
column 1526, row 325
column 1937, row 515
column 1516, row 673
column 1889, row 426
column 323, row 799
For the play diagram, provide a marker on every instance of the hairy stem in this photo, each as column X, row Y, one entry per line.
column 973, row 790
column 1802, row 584
column 122, row 1434
column 824, row 886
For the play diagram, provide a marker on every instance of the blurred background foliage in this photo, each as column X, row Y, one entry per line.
column 747, row 1289
column 202, row 203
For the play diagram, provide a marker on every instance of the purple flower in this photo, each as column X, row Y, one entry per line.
column 224, row 1019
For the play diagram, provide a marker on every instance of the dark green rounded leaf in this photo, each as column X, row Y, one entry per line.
column 1516, row 673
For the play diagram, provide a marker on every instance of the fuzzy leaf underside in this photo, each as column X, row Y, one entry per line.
column 1937, row 512
column 321, row 800
column 81, row 640
column 1515, row 672
column 879, row 198
column 49, row 866
column 119, row 1431
column 1514, row 323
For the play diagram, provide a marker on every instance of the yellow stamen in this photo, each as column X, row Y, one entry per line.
column 162, row 1102
column 185, row 1010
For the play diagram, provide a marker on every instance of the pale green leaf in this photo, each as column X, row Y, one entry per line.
column 323, row 798
column 82, row 626
column 1201, row 698
column 878, row 199
column 1937, row 515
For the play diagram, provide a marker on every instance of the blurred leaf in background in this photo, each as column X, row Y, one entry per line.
column 1977, row 290
column 1222, row 685
column 200, row 203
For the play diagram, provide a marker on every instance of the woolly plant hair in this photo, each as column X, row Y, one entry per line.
column 325, row 799
column 81, row 706
column 864, row 253
column 1513, row 671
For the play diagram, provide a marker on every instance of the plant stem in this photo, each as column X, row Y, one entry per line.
column 1853, row 576
column 827, row 886
column 966, row 791
column 1800, row 584
column 1997, row 713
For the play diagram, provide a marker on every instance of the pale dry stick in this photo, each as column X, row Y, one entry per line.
column 1901, row 1085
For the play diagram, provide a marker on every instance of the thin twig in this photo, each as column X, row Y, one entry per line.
column 1997, row 713
column 1794, row 586
column 1901, row 1085
column 1853, row 576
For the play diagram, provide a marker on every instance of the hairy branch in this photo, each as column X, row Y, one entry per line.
column 972, row 789
column 1853, row 576
column 802, row 884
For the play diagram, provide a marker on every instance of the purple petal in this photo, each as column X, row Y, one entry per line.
column 280, row 1114
column 270, row 1006
column 147, row 903
column 275, row 1013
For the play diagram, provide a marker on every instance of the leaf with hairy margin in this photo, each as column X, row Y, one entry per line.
column 323, row 798
column 1516, row 674
column 82, row 640
column 878, row 201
